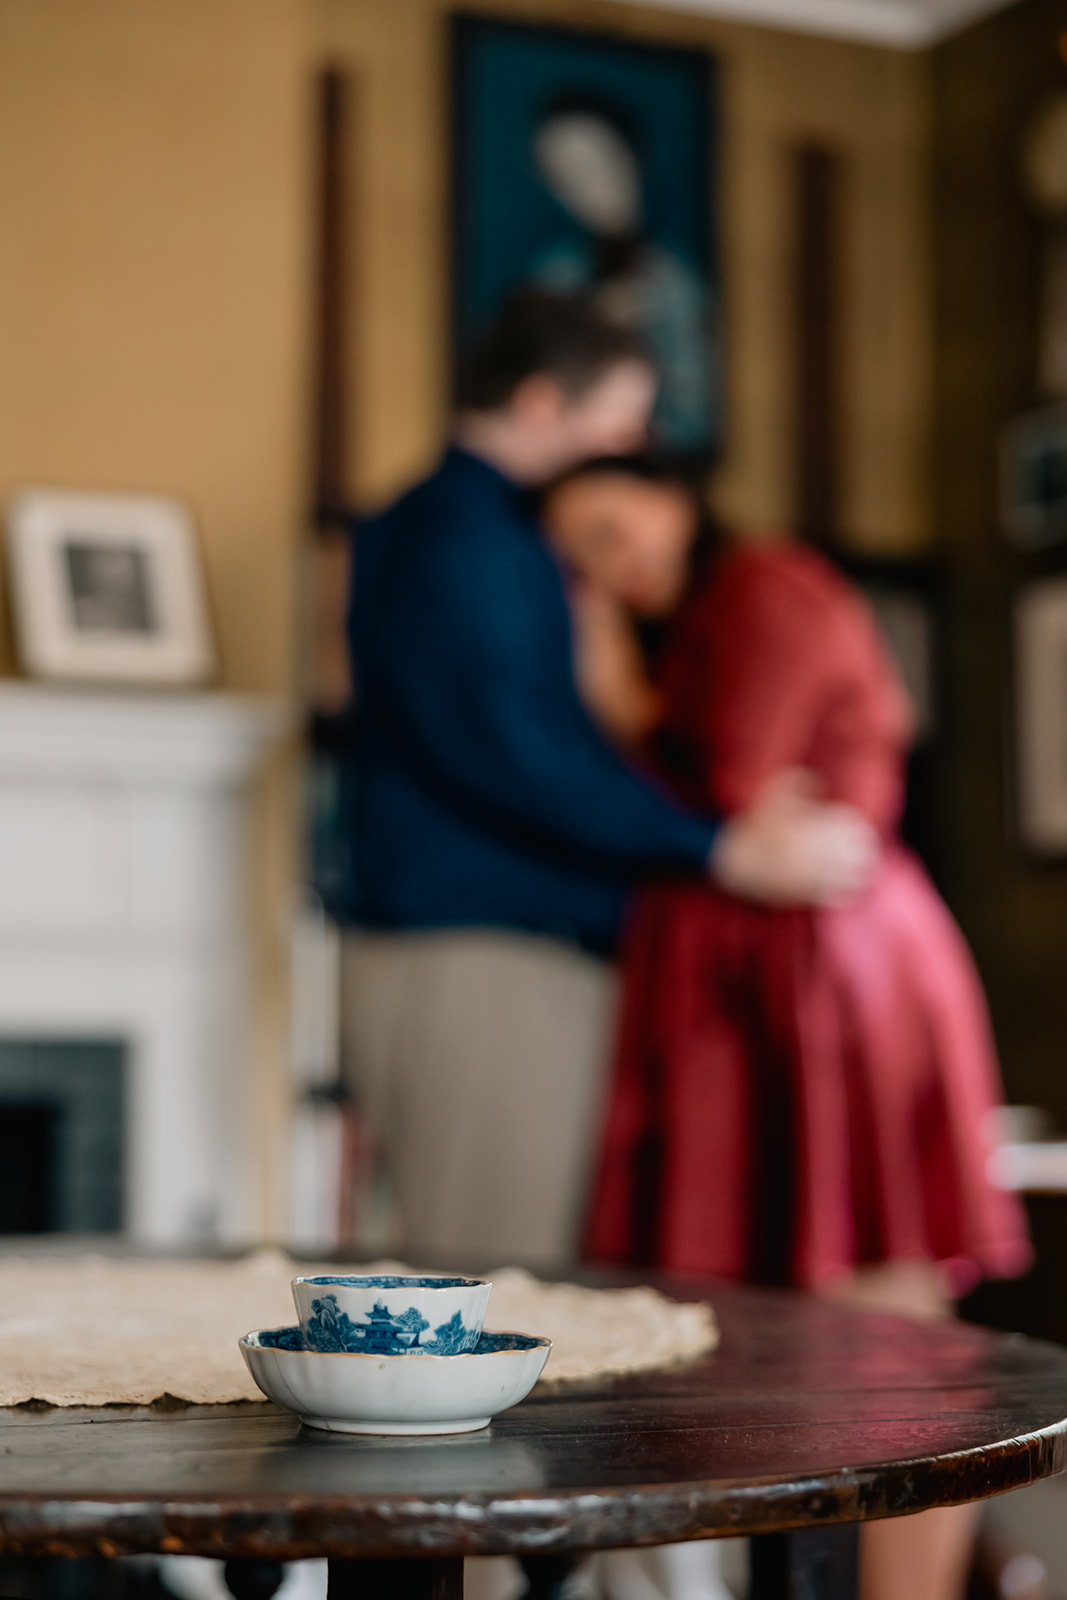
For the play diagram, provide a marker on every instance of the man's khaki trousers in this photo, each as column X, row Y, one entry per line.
column 480, row 1058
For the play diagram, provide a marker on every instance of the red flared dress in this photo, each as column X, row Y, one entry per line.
column 797, row 1093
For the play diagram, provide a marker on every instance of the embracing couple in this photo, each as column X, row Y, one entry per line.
column 520, row 776
column 498, row 832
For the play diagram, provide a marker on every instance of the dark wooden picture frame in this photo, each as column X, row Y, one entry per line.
column 523, row 97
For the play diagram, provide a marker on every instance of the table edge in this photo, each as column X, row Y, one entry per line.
column 300, row 1526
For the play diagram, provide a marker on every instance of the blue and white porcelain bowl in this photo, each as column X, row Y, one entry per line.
column 344, row 1393
column 391, row 1316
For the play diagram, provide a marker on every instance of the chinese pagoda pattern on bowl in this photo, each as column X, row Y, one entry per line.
column 382, row 1315
column 331, row 1329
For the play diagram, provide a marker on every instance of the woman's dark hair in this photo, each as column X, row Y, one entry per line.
column 535, row 331
column 643, row 465
column 646, row 467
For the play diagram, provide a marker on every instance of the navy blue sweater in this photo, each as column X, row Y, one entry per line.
column 485, row 796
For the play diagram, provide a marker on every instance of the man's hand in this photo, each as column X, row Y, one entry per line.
column 789, row 848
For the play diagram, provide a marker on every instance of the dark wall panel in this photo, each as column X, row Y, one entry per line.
column 988, row 83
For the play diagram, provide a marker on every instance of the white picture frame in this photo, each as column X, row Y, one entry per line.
column 107, row 588
column 1041, row 715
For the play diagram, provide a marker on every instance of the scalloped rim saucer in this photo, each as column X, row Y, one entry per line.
column 395, row 1394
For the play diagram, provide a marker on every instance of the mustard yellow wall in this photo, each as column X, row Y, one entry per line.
column 152, row 293
column 776, row 88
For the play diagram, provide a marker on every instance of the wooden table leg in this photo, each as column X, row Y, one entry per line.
column 395, row 1580
column 806, row 1564
column 546, row 1576
column 249, row 1579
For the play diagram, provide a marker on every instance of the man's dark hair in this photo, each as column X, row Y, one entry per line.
column 535, row 331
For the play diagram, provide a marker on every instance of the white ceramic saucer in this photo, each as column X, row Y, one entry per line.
column 355, row 1393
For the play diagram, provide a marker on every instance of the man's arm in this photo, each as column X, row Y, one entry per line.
column 477, row 677
column 472, row 659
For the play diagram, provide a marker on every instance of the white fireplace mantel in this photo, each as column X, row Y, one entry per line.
column 189, row 739
column 124, row 914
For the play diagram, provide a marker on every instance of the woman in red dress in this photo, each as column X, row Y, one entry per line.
column 799, row 1097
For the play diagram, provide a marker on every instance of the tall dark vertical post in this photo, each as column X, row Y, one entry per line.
column 817, row 342
column 396, row 1580
column 819, row 1563
column 330, row 483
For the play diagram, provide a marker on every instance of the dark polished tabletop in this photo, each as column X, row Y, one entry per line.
column 806, row 1415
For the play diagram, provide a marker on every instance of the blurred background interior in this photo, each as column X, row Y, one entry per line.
column 242, row 242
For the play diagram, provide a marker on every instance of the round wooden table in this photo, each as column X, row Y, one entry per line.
column 806, row 1421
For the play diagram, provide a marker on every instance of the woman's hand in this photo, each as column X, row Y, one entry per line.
column 609, row 666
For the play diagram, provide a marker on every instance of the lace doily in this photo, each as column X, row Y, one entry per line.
column 90, row 1330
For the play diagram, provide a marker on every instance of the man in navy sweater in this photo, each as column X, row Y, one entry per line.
column 497, row 833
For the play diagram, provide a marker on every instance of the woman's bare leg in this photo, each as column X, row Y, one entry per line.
column 907, row 1288
column 927, row 1556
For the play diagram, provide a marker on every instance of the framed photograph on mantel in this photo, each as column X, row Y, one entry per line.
column 585, row 163
column 106, row 588
column 1041, row 715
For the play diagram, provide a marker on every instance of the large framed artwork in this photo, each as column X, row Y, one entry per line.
column 586, row 162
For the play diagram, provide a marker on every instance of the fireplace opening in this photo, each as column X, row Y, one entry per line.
column 62, row 1135
column 27, row 1159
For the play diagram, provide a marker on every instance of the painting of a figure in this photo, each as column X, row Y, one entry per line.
column 585, row 163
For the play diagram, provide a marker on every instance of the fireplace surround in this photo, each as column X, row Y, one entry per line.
column 124, row 924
